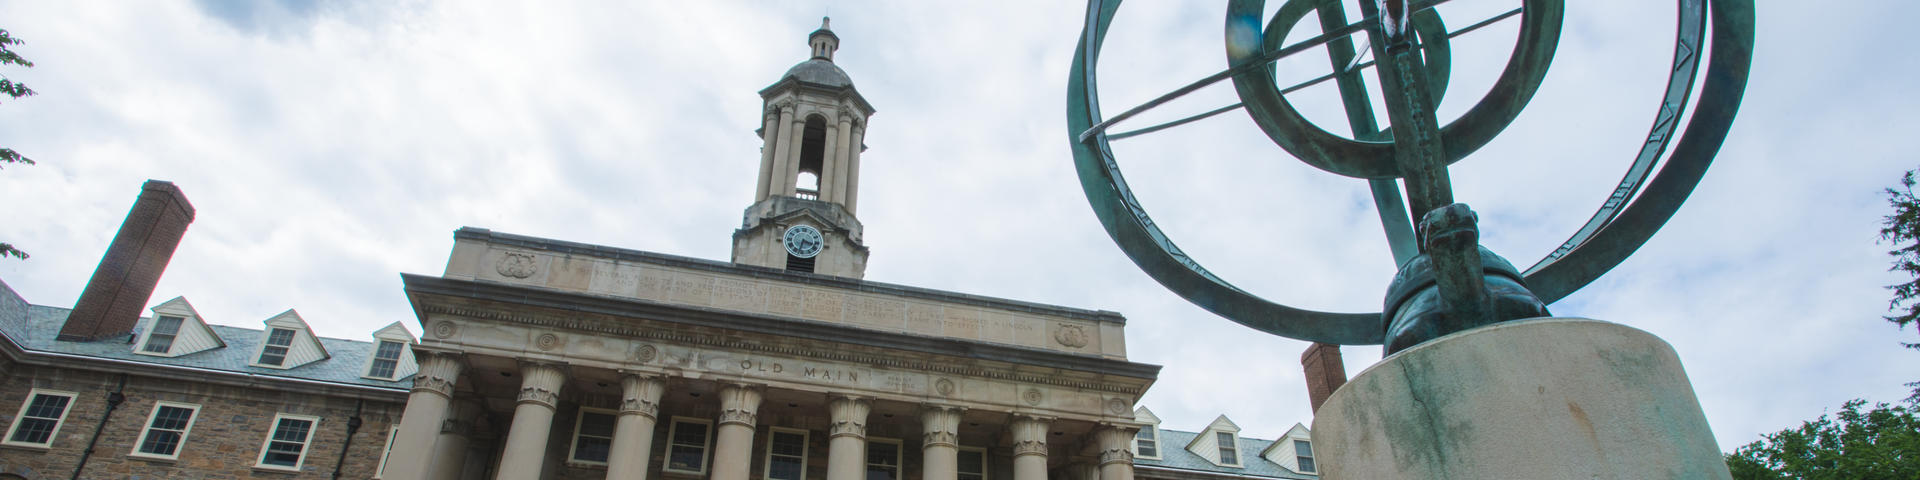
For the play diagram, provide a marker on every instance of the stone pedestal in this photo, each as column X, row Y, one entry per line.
column 1542, row 398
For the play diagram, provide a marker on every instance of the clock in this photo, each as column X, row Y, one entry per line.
column 803, row 241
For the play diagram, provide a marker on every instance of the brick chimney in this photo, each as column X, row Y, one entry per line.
column 1326, row 372
column 124, row 281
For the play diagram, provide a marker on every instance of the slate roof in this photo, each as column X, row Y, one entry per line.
column 33, row 328
column 1174, row 454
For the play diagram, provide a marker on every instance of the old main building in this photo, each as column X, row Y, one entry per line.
column 544, row 359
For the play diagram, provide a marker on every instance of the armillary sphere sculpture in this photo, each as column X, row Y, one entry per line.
column 1447, row 282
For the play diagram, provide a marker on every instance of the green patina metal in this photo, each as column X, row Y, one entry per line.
column 1410, row 43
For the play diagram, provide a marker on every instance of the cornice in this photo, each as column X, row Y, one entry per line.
column 419, row 287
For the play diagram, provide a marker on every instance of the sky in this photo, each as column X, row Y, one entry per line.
column 330, row 147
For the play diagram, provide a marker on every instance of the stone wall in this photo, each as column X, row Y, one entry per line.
column 225, row 441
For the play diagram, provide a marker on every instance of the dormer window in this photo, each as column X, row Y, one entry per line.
column 274, row 353
column 1146, row 443
column 386, row 359
column 1229, row 450
column 1303, row 451
column 161, row 339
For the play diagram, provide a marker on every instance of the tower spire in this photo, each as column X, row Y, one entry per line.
column 823, row 41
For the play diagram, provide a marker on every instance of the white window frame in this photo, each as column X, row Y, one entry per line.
column 899, row 456
column 1309, row 456
column 374, row 357
column 141, row 441
column 266, row 342
column 57, row 422
column 172, row 338
column 580, row 419
column 706, row 447
column 306, row 445
column 1233, row 444
column 393, row 434
column 1153, row 432
column 986, row 467
column 767, row 461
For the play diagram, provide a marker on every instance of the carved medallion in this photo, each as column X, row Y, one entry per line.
column 1072, row 336
column 1117, row 406
column 1032, row 396
column 944, row 386
column 444, row 329
column 547, row 341
column 515, row 264
column 645, row 354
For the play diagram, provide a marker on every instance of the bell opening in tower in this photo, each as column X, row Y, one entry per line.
column 813, row 155
column 797, row 264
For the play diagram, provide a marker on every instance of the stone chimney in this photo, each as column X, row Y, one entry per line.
column 124, row 281
column 1326, row 372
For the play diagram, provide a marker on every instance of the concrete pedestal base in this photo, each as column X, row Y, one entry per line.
column 1544, row 398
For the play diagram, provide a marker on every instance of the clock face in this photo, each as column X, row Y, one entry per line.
column 803, row 241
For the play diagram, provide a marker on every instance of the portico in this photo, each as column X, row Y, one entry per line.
column 583, row 361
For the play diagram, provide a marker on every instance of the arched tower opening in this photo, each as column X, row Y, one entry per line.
column 813, row 155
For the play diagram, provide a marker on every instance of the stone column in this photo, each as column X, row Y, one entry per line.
column 829, row 164
column 853, row 166
column 847, row 443
column 841, row 162
column 633, row 435
column 450, row 451
column 733, row 443
column 939, row 450
column 526, row 450
column 770, row 139
column 1116, row 451
column 782, row 149
column 426, row 409
column 790, row 172
column 1029, row 447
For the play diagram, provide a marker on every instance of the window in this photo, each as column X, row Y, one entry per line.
column 1229, row 453
column 593, row 436
column 40, row 418
column 274, row 352
column 161, row 338
column 166, row 431
column 973, row 464
column 883, row 459
column 1147, row 442
column 786, row 454
column 687, row 446
column 286, row 447
column 1304, row 451
column 386, row 359
column 393, row 434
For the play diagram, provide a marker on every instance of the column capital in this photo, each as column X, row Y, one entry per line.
column 1116, row 442
column 438, row 372
column 941, row 425
column 540, row 382
column 640, row 394
column 739, row 404
column 849, row 415
column 1029, row 434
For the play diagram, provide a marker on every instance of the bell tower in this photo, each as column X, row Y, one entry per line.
column 802, row 218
